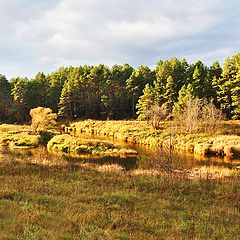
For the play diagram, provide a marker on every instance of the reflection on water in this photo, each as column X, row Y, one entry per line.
column 147, row 158
column 40, row 155
column 160, row 158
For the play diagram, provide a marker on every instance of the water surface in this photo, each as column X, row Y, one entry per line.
column 147, row 158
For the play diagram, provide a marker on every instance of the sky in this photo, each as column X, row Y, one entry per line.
column 43, row 35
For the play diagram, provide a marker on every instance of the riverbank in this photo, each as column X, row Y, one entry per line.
column 64, row 201
column 224, row 142
column 23, row 137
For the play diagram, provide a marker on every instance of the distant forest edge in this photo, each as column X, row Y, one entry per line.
column 121, row 92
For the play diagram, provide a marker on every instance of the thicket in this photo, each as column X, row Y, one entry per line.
column 122, row 92
column 197, row 115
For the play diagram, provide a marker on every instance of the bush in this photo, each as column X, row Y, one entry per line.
column 198, row 115
column 42, row 117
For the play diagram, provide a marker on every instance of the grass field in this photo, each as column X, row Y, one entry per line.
column 44, row 201
column 52, row 198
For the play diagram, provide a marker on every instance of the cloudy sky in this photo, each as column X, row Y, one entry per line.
column 46, row 34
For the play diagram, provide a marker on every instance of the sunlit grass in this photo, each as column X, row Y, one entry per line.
column 79, row 145
column 14, row 128
column 224, row 142
column 18, row 136
column 40, row 201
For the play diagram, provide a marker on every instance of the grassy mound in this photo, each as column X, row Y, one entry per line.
column 15, row 136
column 66, row 143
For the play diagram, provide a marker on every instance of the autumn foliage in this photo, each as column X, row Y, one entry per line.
column 42, row 118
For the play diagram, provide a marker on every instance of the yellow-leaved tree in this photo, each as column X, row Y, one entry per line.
column 42, row 118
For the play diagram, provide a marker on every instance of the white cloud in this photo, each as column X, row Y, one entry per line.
column 212, row 55
column 44, row 35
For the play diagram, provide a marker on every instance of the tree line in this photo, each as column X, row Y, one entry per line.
column 122, row 92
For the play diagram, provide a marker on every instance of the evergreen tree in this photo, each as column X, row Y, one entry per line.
column 171, row 75
column 163, row 71
column 215, row 70
column 100, row 92
column 19, row 92
column 145, row 102
column 56, row 81
column 185, row 94
column 224, row 87
column 235, row 89
column 39, row 91
column 65, row 108
column 202, row 86
column 117, row 91
column 169, row 95
column 5, row 98
column 214, row 74
column 137, row 82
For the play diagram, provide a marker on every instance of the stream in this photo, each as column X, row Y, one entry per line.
column 147, row 158
column 155, row 157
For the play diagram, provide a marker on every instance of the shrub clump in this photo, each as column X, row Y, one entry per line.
column 197, row 115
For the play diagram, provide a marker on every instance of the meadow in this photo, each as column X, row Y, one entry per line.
column 49, row 196
column 66, row 201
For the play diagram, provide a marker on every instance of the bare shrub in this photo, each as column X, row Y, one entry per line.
column 155, row 114
column 42, row 117
column 198, row 115
column 187, row 119
column 211, row 117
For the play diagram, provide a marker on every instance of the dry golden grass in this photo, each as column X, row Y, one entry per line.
column 146, row 172
column 202, row 149
column 140, row 132
column 14, row 128
column 210, row 172
column 109, row 168
column 75, row 202
column 216, row 149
